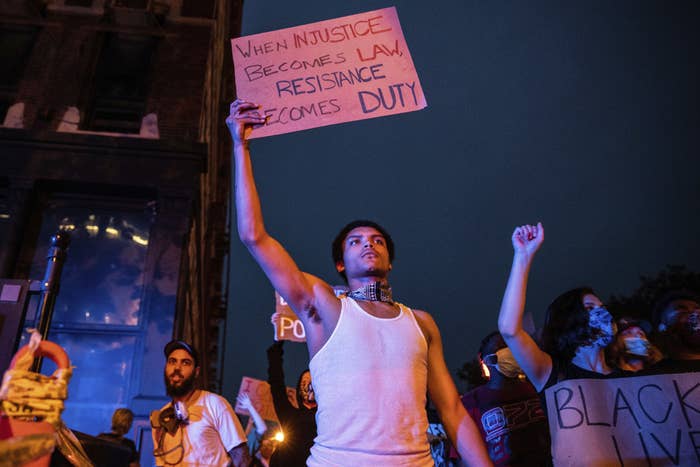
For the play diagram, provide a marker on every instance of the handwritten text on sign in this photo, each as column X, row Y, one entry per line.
column 288, row 326
column 329, row 72
column 636, row 421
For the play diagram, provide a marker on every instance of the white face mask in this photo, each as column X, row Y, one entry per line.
column 638, row 346
column 505, row 363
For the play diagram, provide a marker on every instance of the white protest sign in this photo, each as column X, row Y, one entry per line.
column 329, row 72
column 636, row 421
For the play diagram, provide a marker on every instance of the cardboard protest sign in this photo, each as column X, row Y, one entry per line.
column 261, row 397
column 636, row 421
column 288, row 326
column 333, row 71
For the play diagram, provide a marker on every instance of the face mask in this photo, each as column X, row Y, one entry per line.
column 601, row 321
column 638, row 346
column 505, row 363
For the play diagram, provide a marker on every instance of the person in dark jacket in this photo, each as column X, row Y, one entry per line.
column 121, row 424
column 508, row 410
column 298, row 423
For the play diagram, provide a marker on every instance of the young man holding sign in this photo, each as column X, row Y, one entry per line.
column 364, row 340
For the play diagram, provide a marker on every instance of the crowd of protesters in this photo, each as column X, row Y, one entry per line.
column 580, row 339
column 366, row 339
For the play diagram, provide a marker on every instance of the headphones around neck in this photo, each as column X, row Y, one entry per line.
column 170, row 418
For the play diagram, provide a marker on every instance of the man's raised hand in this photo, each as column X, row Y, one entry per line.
column 242, row 116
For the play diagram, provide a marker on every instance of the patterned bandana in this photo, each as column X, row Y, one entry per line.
column 374, row 292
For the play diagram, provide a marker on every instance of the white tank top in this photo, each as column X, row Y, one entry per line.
column 370, row 381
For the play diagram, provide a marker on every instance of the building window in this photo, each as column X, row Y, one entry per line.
column 121, row 83
column 98, row 315
column 16, row 43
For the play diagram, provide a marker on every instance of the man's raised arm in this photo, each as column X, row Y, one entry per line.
column 298, row 289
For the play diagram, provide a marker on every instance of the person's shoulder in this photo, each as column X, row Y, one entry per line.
column 132, row 447
column 323, row 292
column 217, row 406
column 416, row 310
column 426, row 323
column 130, row 443
column 421, row 315
column 211, row 397
column 213, row 400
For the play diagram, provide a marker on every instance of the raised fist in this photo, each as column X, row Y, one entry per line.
column 527, row 239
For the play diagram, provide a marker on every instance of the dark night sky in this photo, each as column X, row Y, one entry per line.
column 583, row 115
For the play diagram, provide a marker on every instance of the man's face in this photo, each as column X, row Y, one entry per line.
column 180, row 373
column 364, row 253
column 682, row 318
column 306, row 389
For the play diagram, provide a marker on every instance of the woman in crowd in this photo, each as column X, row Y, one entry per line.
column 577, row 327
column 631, row 351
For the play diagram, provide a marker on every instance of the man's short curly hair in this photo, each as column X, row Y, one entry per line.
column 337, row 247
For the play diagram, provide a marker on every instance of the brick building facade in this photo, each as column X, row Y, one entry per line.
column 112, row 118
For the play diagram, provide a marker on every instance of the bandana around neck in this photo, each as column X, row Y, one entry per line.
column 374, row 292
